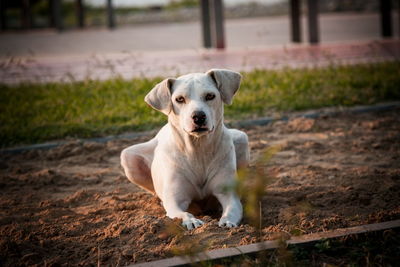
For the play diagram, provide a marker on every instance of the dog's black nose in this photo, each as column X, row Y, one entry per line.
column 199, row 118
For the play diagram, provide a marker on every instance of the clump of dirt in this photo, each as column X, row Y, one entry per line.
column 73, row 205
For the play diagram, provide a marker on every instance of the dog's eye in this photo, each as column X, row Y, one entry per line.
column 210, row 97
column 180, row 99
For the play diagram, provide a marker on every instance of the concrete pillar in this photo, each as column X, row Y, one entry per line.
column 3, row 22
column 205, row 22
column 110, row 15
column 51, row 14
column 57, row 14
column 398, row 15
column 26, row 19
column 386, row 18
column 312, row 19
column 80, row 13
column 295, row 20
column 218, row 24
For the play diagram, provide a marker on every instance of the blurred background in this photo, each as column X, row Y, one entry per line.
column 55, row 27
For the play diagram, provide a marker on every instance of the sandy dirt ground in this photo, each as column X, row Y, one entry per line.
column 72, row 205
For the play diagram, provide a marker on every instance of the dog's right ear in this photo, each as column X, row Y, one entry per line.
column 159, row 97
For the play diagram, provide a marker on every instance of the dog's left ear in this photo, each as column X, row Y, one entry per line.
column 227, row 81
column 159, row 97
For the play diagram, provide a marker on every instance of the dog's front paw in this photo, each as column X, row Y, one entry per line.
column 192, row 223
column 225, row 222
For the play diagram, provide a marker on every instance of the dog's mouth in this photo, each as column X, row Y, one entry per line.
column 200, row 130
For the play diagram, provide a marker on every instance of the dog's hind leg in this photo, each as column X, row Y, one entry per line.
column 136, row 161
column 241, row 142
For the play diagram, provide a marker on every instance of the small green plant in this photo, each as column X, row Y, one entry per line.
column 323, row 245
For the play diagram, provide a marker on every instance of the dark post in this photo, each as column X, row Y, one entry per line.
column 80, row 13
column 205, row 22
column 295, row 21
column 3, row 24
column 218, row 21
column 386, row 17
column 26, row 14
column 110, row 15
column 57, row 15
column 312, row 15
column 51, row 14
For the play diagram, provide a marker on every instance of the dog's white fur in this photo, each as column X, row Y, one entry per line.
column 185, row 161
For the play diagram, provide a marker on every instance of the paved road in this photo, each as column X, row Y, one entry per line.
column 240, row 33
column 154, row 63
column 171, row 49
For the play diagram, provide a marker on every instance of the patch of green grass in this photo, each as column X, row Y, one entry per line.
column 34, row 113
column 290, row 90
column 31, row 113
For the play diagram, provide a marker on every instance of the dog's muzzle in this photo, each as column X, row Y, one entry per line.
column 199, row 120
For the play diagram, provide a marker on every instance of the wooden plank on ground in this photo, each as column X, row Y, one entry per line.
column 256, row 247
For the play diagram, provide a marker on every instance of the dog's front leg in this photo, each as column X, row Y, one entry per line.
column 232, row 209
column 223, row 188
column 176, row 201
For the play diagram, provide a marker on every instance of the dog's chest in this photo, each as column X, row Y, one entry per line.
column 201, row 169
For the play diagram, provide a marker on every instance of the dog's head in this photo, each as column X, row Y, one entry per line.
column 194, row 102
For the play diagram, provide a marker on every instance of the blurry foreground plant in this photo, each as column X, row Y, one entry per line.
column 251, row 185
column 184, row 245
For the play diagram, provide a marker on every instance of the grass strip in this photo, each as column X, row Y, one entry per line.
column 31, row 113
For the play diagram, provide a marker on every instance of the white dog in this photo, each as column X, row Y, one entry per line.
column 194, row 155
